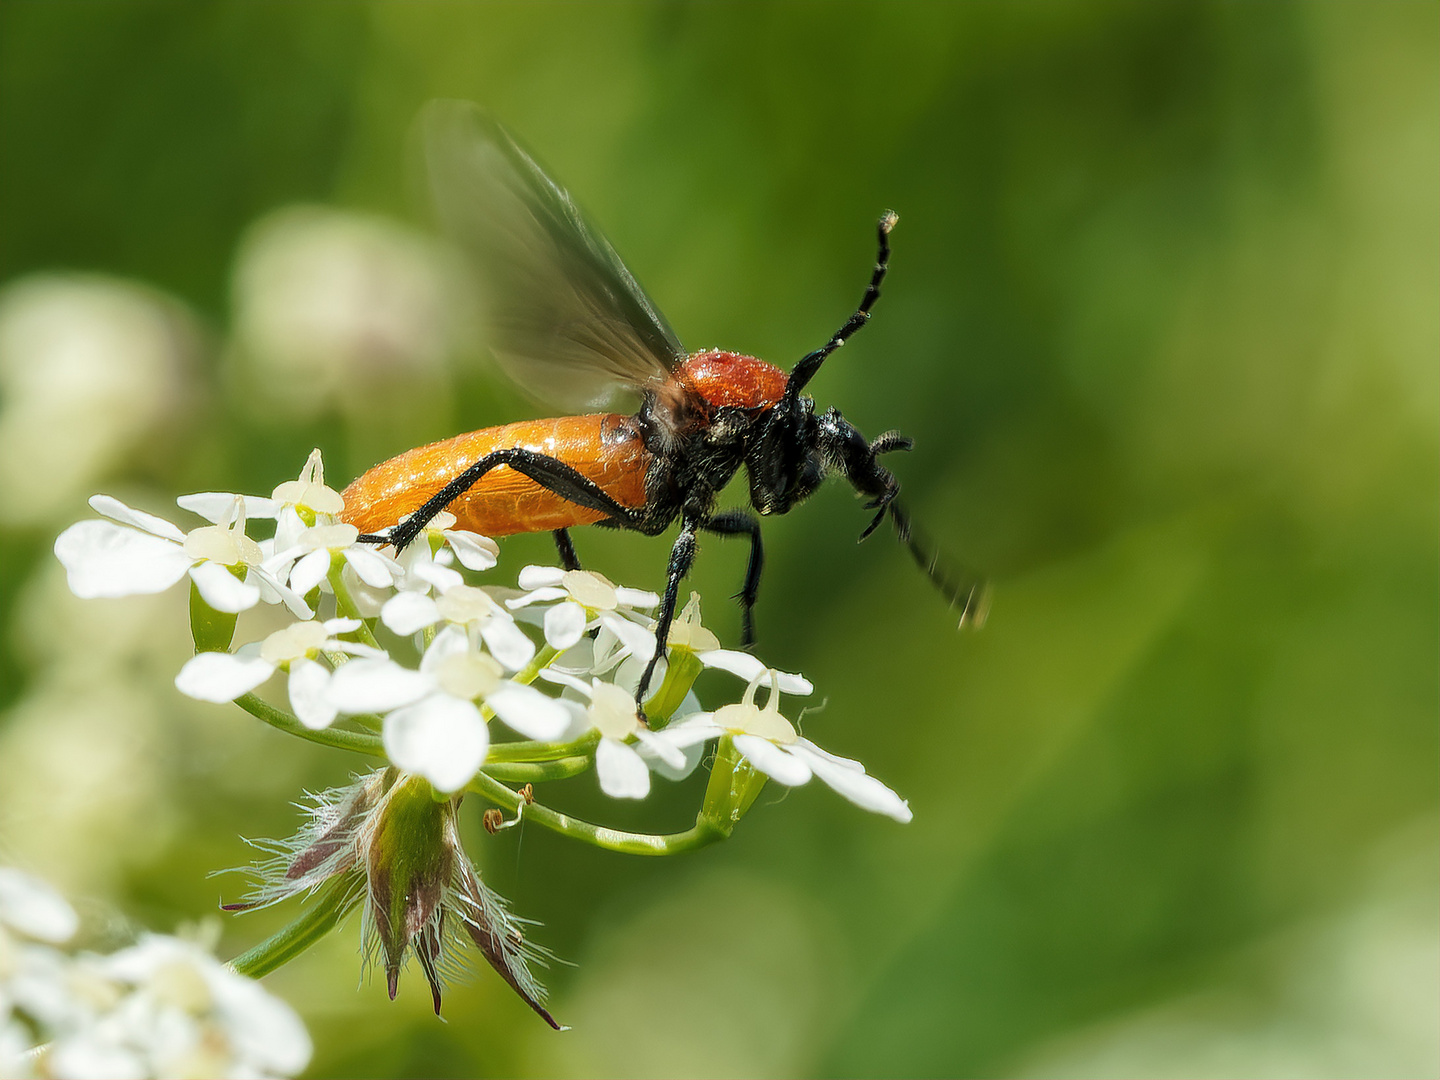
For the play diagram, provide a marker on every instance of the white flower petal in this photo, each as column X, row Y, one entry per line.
column 694, row 730
column 474, row 551
column 665, row 751
column 528, row 711
column 308, row 684
column 635, row 598
column 623, row 773
column 864, row 791
column 538, row 596
column 272, row 589
column 222, row 590
column 637, row 639
column 104, row 559
column 409, row 612
column 370, row 567
column 773, row 761
column 442, row 738
column 564, row 678
column 751, row 669
column 310, row 571
column 116, row 510
column 507, row 642
column 441, row 578
column 689, row 756
column 221, row 677
column 538, row 577
column 564, row 625
column 363, row 686
column 214, row 506
column 32, row 907
column 267, row 1035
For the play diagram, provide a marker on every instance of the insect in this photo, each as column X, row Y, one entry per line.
column 570, row 324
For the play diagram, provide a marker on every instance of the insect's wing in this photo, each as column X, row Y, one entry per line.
column 563, row 316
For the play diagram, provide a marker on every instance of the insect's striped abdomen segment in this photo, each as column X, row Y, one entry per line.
column 605, row 448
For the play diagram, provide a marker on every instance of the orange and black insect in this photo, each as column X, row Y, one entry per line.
column 570, row 324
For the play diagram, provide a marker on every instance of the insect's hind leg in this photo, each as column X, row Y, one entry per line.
column 734, row 523
column 566, row 547
column 550, row 473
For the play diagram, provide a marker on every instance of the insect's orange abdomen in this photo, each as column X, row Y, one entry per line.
column 726, row 378
column 605, row 447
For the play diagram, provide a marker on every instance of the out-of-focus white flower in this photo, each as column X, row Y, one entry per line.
column 136, row 553
column 224, row 676
column 162, row 1007
column 581, row 600
column 332, row 308
column 31, row 907
column 89, row 368
column 433, row 725
column 773, row 746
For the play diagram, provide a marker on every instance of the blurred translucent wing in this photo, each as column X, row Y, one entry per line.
column 564, row 317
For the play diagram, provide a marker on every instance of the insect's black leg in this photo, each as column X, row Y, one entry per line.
column 682, row 554
column 550, row 473
column 733, row 523
column 566, row 547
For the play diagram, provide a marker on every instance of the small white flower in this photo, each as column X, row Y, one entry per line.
column 773, row 746
column 623, row 771
column 294, row 504
column 687, row 633
column 432, row 724
column 582, row 600
column 306, row 562
column 137, row 553
column 465, row 606
column 223, row 676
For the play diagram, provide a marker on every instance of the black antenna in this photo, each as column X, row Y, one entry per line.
column 808, row 365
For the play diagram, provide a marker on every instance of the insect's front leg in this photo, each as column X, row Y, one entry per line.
column 566, row 549
column 682, row 555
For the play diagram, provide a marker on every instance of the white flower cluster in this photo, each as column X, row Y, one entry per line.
column 410, row 645
column 160, row 1007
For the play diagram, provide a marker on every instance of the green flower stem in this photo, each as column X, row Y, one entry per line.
column 358, row 741
column 315, row 921
column 526, row 750
column 680, row 675
column 527, row 772
column 531, row 670
column 627, row 843
column 345, row 604
column 734, row 784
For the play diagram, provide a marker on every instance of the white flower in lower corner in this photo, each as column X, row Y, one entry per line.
column 223, row 676
column 433, row 725
column 136, row 553
column 30, row 907
column 177, row 1011
column 582, row 600
column 771, row 743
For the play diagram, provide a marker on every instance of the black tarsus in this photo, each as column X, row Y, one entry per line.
column 738, row 522
column 566, row 547
column 682, row 556
column 808, row 365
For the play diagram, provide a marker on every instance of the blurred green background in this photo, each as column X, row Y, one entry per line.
column 1163, row 323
